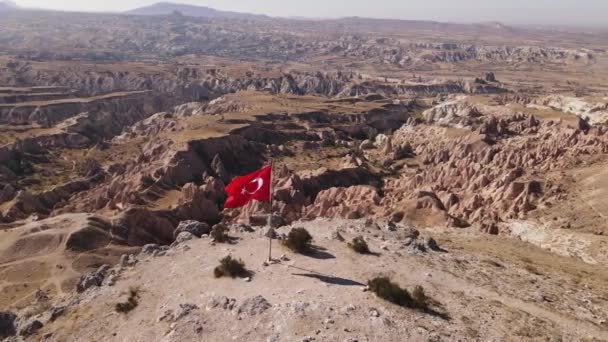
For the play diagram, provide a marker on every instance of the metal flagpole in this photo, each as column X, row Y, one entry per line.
column 270, row 214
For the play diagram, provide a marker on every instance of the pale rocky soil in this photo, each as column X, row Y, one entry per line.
column 485, row 288
column 127, row 128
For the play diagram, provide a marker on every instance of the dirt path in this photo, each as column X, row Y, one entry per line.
column 596, row 190
column 455, row 284
column 446, row 282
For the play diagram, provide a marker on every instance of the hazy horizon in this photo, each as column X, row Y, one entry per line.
column 523, row 12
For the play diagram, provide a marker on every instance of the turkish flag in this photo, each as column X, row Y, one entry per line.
column 254, row 186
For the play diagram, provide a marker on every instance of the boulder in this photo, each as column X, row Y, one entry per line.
column 92, row 279
column 183, row 237
column 56, row 312
column 150, row 248
column 195, row 228
column 366, row 145
column 128, row 260
column 220, row 171
column 7, row 324
column 30, row 328
column 254, row 306
column 490, row 77
column 7, row 193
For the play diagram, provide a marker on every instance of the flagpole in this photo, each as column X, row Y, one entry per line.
column 270, row 214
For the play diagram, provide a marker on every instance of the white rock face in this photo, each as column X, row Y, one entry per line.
column 558, row 241
column 455, row 112
column 594, row 113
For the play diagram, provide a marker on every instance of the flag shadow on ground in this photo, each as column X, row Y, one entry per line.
column 317, row 252
column 329, row 279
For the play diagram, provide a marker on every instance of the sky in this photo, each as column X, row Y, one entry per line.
column 542, row 12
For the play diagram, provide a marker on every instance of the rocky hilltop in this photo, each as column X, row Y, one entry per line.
column 424, row 188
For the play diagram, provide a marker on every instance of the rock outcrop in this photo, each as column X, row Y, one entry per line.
column 7, row 324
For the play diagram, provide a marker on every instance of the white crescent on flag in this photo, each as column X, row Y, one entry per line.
column 254, row 186
column 259, row 182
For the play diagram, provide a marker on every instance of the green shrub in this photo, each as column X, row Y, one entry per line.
column 359, row 245
column 131, row 302
column 420, row 298
column 218, row 233
column 298, row 240
column 387, row 290
column 230, row 267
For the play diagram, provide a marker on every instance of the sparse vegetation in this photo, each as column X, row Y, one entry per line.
column 218, row 233
column 384, row 288
column 298, row 240
column 532, row 269
column 421, row 300
column 230, row 267
column 131, row 303
column 359, row 245
column 387, row 290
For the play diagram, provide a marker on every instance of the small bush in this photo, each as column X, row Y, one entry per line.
column 131, row 302
column 387, row 290
column 418, row 300
column 218, row 233
column 533, row 270
column 230, row 267
column 359, row 245
column 298, row 240
column 421, row 300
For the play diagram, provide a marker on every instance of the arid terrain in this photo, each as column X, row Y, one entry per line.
column 472, row 158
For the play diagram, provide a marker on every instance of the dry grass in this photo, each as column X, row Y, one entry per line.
column 384, row 288
column 219, row 233
column 359, row 245
column 230, row 267
column 131, row 303
column 538, row 259
column 298, row 240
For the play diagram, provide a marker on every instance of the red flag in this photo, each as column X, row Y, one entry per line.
column 254, row 186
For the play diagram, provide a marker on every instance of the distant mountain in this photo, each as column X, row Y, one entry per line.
column 6, row 5
column 167, row 8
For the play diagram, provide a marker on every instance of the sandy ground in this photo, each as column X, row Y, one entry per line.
column 34, row 257
column 477, row 283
